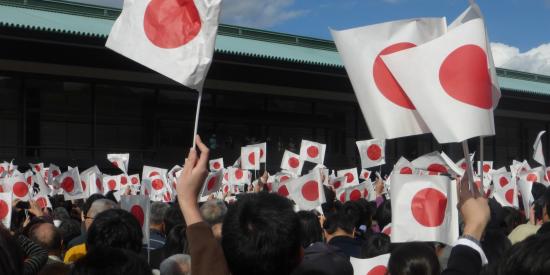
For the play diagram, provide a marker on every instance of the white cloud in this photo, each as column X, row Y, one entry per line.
column 259, row 14
column 536, row 60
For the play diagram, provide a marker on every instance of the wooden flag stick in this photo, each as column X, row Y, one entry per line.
column 195, row 130
column 481, row 157
column 469, row 171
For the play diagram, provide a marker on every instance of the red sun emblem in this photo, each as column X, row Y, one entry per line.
column 374, row 152
column 313, row 151
column 428, row 207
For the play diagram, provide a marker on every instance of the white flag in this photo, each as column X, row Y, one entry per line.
column 403, row 166
column 263, row 151
column 292, row 162
column 111, row 183
column 212, row 183
column 432, row 162
column 19, row 187
column 538, row 156
column 371, row 152
column 216, row 164
column 140, row 208
column 5, row 209
column 350, row 174
column 174, row 38
column 388, row 111
column 71, row 185
column 365, row 174
column 312, row 151
column 505, row 190
column 307, row 191
column 250, row 158
column 120, row 161
column 371, row 266
column 150, row 171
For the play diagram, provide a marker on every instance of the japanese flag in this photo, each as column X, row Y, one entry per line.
column 423, row 209
column 111, row 183
column 37, row 168
column 533, row 175
column 403, row 166
column 524, row 188
column 351, row 176
column 95, row 182
column 371, row 266
column 4, row 168
column 484, row 185
column 146, row 187
column 263, row 150
column 487, row 166
column 39, row 186
column 307, row 191
column 238, row 176
column 119, row 161
column 19, row 187
column 337, row 182
column 53, row 173
column 538, row 156
column 369, row 192
column 387, row 109
column 159, row 187
column 356, row 192
column 449, row 83
column 312, row 151
column 140, row 207
column 463, row 165
column 365, row 175
column 432, row 162
column 250, row 158
column 505, row 190
column 135, row 183
column 174, row 38
column 71, row 185
column 43, row 201
column 216, row 164
column 5, row 209
column 371, row 152
column 212, row 183
column 149, row 171
column 292, row 162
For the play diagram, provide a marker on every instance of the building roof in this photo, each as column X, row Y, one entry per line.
column 94, row 21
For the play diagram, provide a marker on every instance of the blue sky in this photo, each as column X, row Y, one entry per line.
column 519, row 28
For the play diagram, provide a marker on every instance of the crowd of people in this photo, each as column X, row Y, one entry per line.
column 261, row 233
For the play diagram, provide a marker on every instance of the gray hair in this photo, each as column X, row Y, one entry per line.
column 99, row 206
column 178, row 264
column 213, row 211
column 158, row 211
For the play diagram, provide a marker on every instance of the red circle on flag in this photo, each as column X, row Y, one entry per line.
column 252, row 158
column 387, row 230
column 83, row 183
column 532, row 177
column 486, row 168
column 157, row 184
column 211, row 183
column 226, row 188
column 55, row 173
column 428, row 207
column 503, row 181
column 365, row 193
column 42, row 203
column 134, row 180
column 436, row 167
column 510, row 196
column 226, row 176
column 283, row 191
column 20, row 189
column 337, row 184
column 312, row 151
column 343, row 197
column 171, row 23
column 310, row 190
column 123, row 180
column 154, row 173
column 238, row 174
column 4, row 209
column 37, row 167
column 374, row 152
column 29, row 180
column 114, row 163
column 283, row 179
column 167, row 197
column 355, row 195
column 261, row 153
column 366, row 174
column 137, row 211
column 111, row 184
column 2, row 169
column 98, row 184
column 464, row 75
column 463, row 165
column 378, row 270
column 349, row 177
column 293, row 162
column 385, row 81
column 216, row 165
column 1, row 189
column 406, row 171
column 478, row 184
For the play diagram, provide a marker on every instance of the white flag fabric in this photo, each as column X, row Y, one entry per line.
column 356, row 192
column 388, row 111
column 365, row 174
column 18, row 186
column 216, row 164
column 372, row 152
column 250, row 158
column 71, row 184
column 140, row 208
column 351, row 176
column 525, row 187
column 111, row 183
column 423, row 209
column 432, row 162
column 533, row 175
column 263, row 151
column 371, row 266
column 53, row 173
column 337, row 182
column 43, row 201
column 312, row 151
column 39, row 186
column 292, row 163
column 174, row 38
column 448, row 81
column 487, row 167
column 120, row 161
column 307, row 191
column 212, row 183
column 403, row 166
column 5, row 209
column 538, row 155
column 37, row 168
column 150, row 171
column 238, row 176
column 505, row 190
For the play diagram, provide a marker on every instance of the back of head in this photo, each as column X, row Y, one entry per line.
column 176, row 241
column 339, row 220
column 376, row 244
column 69, row 229
column 111, row 261
column 60, row 213
column 89, row 201
column 310, row 228
column 173, row 217
column 179, row 264
column 158, row 211
column 261, row 235
column 383, row 214
column 55, row 269
column 47, row 236
column 495, row 244
column 99, row 206
column 11, row 257
column 511, row 219
column 529, row 257
column 213, row 211
column 115, row 228
column 413, row 259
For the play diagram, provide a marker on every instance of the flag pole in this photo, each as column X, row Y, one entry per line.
column 469, row 163
column 195, row 130
column 481, row 150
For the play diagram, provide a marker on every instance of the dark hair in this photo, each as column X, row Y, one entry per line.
column 69, row 229
column 413, row 258
column 546, row 198
column 261, row 235
column 115, row 228
column 511, row 219
column 310, row 228
column 339, row 220
column 111, row 261
column 55, row 269
column 176, row 241
column 88, row 203
column 11, row 256
column 111, row 196
column 330, row 196
column 173, row 217
column 544, row 228
column 494, row 244
column 383, row 214
column 376, row 244
column 353, row 211
column 529, row 257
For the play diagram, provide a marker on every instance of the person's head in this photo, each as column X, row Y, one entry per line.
column 494, row 244
column 213, row 212
column 376, row 244
column 88, row 203
column 261, row 235
column 69, row 230
column 413, row 258
column 60, row 213
column 338, row 224
column 383, row 214
column 529, row 257
column 179, row 264
column 115, row 228
column 11, row 256
column 546, row 209
column 310, row 228
column 353, row 211
column 55, row 269
column 111, row 261
column 176, row 241
column 97, row 207
column 173, row 217
column 48, row 237
column 156, row 220
column 511, row 218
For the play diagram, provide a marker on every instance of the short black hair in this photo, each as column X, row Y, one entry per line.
column 69, row 229
column 376, row 244
column 383, row 214
column 173, row 217
column 111, row 261
column 261, row 235
column 115, row 228
column 310, row 228
column 546, row 198
column 511, row 219
column 11, row 256
column 528, row 257
column 495, row 244
column 339, row 220
column 414, row 258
